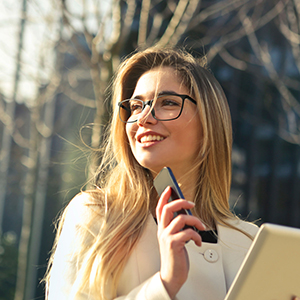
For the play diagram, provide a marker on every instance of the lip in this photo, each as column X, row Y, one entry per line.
column 140, row 136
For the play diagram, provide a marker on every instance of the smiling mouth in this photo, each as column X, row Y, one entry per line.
column 151, row 138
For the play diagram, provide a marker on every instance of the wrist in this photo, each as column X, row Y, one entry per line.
column 169, row 287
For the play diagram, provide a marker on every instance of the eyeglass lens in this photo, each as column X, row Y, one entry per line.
column 166, row 107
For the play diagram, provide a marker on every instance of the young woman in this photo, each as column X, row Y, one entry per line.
column 120, row 241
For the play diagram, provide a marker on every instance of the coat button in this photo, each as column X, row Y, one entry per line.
column 211, row 255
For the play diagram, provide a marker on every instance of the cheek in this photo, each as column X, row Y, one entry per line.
column 130, row 132
column 192, row 133
column 190, row 123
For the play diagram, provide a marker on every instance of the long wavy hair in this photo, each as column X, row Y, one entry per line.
column 124, row 193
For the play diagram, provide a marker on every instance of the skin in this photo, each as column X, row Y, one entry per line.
column 181, row 137
column 177, row 149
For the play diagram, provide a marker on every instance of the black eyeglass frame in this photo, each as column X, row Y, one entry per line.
column 149, row 102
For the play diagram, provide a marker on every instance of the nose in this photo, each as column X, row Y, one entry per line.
column 146, row 116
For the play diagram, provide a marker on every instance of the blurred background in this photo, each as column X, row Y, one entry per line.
column 57, row 58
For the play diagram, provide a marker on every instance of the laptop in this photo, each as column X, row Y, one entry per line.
column 271, row 269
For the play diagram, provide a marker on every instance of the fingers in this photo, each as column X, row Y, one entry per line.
column 163, row 200
column 185, row 236
column 173, row 226
column 165, row 211
column 182, row 220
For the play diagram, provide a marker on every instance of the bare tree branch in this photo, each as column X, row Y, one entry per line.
column 116, row 31
column 157, row 23
column 290, row 104
column 144, row 16
column 240, row 33
column 215, row 10
column 184, row 23
column 128, row 21
column 232, row 61
column 68, row 91
column 292, row 36
column 174, row 22
column 290, row 28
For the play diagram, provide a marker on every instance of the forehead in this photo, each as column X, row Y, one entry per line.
column 159, row 79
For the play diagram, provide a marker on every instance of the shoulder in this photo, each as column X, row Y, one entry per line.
column 247, row 227
column 83, row 215
column 236, row 236
column 236, row 230
column 84, row 205
column 87, row 203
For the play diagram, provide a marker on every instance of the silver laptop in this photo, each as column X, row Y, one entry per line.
column 271, row 269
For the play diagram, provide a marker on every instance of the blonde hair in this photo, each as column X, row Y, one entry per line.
column 126, row 195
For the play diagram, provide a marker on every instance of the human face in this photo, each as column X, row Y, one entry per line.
column 156, row 144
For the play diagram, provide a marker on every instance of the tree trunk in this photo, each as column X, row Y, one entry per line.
column 40, row 198
column 8, row 130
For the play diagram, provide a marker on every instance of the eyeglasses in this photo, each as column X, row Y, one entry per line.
column 166, row 107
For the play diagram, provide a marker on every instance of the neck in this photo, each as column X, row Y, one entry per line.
column 187, row 183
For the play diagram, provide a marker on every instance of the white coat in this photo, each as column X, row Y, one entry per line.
column 212, row 266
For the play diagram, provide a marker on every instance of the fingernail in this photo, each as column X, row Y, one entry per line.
column 191, row 203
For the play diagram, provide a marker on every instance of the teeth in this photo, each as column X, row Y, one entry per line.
column 150, row 138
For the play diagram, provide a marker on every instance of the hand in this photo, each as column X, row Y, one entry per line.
column 174, row 257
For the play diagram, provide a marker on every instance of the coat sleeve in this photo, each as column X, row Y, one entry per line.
column 151, row 289
column 65, row 265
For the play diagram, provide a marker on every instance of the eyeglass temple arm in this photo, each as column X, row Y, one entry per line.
column 191, row 99
column 124, row 107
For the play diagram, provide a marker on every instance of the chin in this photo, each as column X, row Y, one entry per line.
column 154, row 169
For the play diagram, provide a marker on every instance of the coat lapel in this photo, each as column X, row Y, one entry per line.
column 212, row 266
column 144, row 261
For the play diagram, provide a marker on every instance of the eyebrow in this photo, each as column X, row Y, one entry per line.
column 159, row 94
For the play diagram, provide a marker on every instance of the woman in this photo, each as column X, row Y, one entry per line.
column 121, row 240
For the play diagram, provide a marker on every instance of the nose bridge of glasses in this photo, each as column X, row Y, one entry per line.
column 148, row 102
column 146, row 112
column 150, row 108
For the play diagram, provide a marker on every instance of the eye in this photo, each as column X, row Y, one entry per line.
column 170, row 101
column 136, row 106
